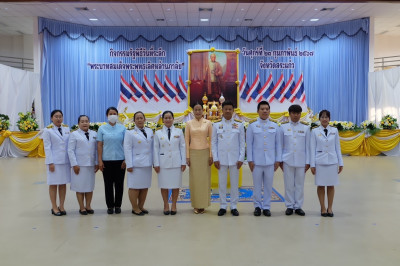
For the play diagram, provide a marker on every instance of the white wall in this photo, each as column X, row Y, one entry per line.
column 16, row 46
column 386, row 45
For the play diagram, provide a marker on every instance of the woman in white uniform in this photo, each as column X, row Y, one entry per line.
column 169, row 158
column 82, row 153
column 55, row 140
column 138, row 149
column 325, row 160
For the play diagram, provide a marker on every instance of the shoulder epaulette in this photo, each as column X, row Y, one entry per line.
column 284, row 122
column 252, row 121
column 304, row 123
column 238, row 120
column 50, row 126
column 219, row 120
column 273, row 120
column 158, row 128
column 64, row 125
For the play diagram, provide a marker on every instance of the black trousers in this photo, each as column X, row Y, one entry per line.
column 113, row 176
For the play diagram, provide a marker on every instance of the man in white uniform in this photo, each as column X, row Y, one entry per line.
column 264, row 154
column 296, row 159
column 228, row 148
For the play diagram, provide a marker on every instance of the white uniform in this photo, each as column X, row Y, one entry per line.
column 295, row 155
column 83, row 152
column 228, row 147
column 264, row 148
column 325, row 155
column 169, row 155
column 55, row 147
column 138, row 151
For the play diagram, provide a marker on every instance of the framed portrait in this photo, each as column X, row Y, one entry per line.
column 213, row 73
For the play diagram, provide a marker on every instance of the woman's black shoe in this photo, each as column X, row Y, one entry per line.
column 55, row 213
column 83, row 212
column 173, row 212
column 90, row 211
column 138, row 213
column 166, row 212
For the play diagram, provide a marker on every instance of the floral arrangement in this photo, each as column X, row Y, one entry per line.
column 370, row 127
column 314, row 125
column 344, row 125
column 26, row 122
column 4, row 122
column 92, row 126
column 389, row 122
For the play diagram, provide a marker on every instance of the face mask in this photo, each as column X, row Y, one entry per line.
column 112, row 119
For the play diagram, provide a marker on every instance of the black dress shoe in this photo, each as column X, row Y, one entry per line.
column 173, row 212
column 138, row 213
column 110, row 210
column 90, row 211
column 257, row 211
column 55, row 213
column 289, row 211
column 83, row 212
column 235, row 212
column 300, row 212
column 117, row 210
column 267, row 212
column 145, row 211
column 221, row 212
column 324, row 214
column 62, row 212
column 166, row 212
column 330, row 214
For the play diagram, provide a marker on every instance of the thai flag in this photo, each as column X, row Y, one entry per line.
column 276, row 88
column 244, row 87
column 171, row 89
column 182, row 88
column 254, row 89
column 286, row 92
column 149, row 89
column 126, row 92
column 266, row 89
column 161, row 90
column 298, row 91
column 139, row 91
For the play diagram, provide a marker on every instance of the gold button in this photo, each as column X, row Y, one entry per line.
column 265, row 137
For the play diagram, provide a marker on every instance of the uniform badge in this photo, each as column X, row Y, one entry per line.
column 94, row 137
column 258, row 126
column 221, row 126
column 301, row 131
column 235, row 126
column 319, row 135
column 139, row 142
column 271, row 128
column 289, row 129
column 176, row 136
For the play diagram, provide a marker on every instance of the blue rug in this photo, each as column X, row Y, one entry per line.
column 245, row 195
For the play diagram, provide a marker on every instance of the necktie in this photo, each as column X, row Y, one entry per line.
column 87, row 135
column 144, row 132
column 326, row 132
column 169, row 134
column 60, row 130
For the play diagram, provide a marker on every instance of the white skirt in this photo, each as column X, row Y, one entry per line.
column 60, row 176
column 170, row 178
column 139, row 178
column 84, row 181
column 326, row 175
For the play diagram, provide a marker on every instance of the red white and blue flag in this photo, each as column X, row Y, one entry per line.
column 279, row 84
column 126, row 93
column 138, row 90
column 161, row 90
column 286, row 92
column 182, row 91
column 254, row 89
column 149, row 89
column 298, row 91
column 244, row 87
column 265, row 91
column 172, row 90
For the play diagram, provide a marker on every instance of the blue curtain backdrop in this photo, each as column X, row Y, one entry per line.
column 335, row 78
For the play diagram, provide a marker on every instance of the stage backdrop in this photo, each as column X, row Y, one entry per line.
column 87, row 69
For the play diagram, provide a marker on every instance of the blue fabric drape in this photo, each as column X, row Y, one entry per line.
column 335, row 78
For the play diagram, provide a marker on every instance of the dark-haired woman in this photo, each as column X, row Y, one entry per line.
column 169, row 160
column 198, row 134
column 110, row 149
column 138, row 147
column 325, row 160
column 82, row 153
column 55, row 140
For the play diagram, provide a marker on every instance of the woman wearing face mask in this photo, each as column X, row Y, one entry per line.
column 110, row 140
column 325, row 160
column 198, row 134
column 138, row 147
column 55, row 140
column 82, row 153
column 169, row 160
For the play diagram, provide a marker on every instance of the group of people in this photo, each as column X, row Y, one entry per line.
column 76, row 157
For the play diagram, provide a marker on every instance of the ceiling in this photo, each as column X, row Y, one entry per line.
column 17, row 18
